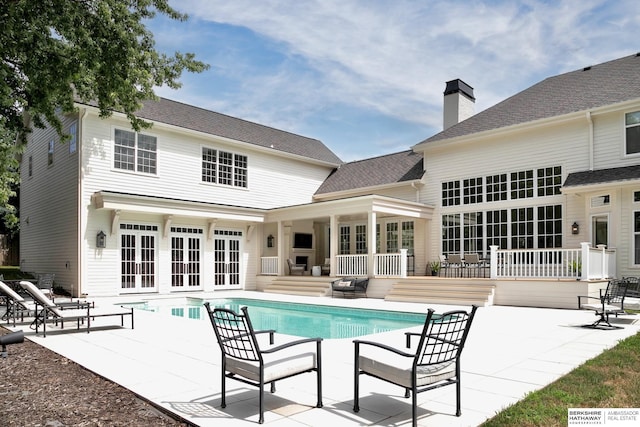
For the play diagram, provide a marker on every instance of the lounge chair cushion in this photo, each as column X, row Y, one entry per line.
column 280, row 365
column 343, row 284
column 398, row 370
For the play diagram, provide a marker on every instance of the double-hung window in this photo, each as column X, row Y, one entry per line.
column 632, row 132
column 135, row 152
column 223, row 167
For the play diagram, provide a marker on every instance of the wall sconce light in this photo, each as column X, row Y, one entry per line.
column 270, row 241
column 101, row 240
column 575, row 228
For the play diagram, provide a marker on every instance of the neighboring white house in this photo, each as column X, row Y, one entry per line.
column 204, row 201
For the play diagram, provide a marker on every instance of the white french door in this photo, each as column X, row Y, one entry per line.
column 138, row 258
column 227, row 259
column 186, row 256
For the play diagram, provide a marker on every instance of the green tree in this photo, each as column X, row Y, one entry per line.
column 9, row 179
column 53, row 52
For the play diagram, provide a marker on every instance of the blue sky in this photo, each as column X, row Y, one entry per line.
column 367, row 77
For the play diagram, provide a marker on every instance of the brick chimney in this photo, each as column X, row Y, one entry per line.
column 458, row 103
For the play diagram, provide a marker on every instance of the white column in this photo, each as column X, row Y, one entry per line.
column 281, row 247
column 371, row 242
column 333, row 243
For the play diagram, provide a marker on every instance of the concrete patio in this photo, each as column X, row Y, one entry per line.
column 175, row 363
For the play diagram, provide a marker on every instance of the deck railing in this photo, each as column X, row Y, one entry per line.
column 385, row 265
column 269, row 265
column 586, row 263
column 352, row 265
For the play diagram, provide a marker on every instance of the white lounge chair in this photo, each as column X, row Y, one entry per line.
column 16, row 304
column 53, row 312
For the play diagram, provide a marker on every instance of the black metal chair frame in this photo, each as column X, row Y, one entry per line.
column 611, row 301
column 238, row 340
column 80, row 311
column 441, row 342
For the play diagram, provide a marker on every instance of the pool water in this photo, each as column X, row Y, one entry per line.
column 304, row 320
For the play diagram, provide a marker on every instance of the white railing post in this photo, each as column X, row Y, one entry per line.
column 603, row 261
column 403, row 263
column 493, row 266
column 584, row 264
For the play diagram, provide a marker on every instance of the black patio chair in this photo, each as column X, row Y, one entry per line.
column 611, row 301
column 244, row 360
column 434, row 363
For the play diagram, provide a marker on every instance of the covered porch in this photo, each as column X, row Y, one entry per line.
column 371, row 236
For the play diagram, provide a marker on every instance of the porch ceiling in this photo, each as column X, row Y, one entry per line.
column 165, row 206
column 355, row 207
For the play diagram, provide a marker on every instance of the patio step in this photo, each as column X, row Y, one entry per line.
column 436, row 290
column 300, row 285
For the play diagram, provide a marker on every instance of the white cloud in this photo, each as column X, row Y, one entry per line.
column 394, row 56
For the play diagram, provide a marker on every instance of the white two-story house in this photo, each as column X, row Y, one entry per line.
column 204, row 201
column 553, row 166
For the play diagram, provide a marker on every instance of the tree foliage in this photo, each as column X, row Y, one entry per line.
column 53, row 52
column 96, row 50
column 9, row 178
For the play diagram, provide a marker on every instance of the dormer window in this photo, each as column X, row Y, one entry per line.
column 632, row 132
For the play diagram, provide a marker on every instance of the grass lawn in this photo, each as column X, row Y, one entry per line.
column 610, row 380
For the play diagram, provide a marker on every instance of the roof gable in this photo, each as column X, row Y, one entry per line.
column 600, row 85
column 377, row 171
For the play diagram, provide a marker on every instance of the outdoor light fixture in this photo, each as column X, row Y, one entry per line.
column 575, row 228
column 101, row 240
column 270, row 241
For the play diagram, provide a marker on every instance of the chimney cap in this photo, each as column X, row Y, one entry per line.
column 457, row 85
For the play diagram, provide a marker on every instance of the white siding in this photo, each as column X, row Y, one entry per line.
column 48, row 208
column 273, row 181
column 563, row 145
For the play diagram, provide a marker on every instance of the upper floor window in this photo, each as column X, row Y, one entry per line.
column 472, row 190
column 222, row 167
column 73, row 137
column 135, row 152
column 30, row 165
column 496, row 187
column 52, row 144
column 451, row 193
column 521, row 184
column 632, row 128
column 549, row 181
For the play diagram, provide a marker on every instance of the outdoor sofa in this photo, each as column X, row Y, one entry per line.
column 350, row 286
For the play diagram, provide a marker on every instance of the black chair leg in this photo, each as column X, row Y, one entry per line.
column 319, row 374
column 223, row 402
column 261, row 403
column 356, row 380
column 414, row 408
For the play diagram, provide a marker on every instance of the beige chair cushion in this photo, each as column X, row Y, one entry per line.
column 397, row 370
column 279, row 365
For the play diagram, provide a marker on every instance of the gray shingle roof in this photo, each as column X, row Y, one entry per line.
column 190, row 117
column 592, row 87
column 601, row 176
column 388, row 169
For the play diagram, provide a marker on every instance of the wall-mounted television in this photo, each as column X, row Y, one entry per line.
column 303, row 240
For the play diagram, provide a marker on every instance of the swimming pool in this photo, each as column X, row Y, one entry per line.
column 304, row 320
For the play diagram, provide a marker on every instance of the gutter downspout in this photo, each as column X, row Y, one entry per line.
column 415, row 187
column 590, row 121
column 79, row 266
